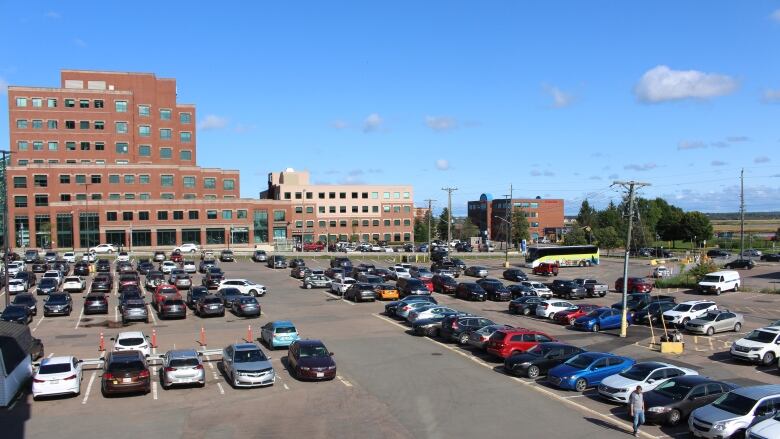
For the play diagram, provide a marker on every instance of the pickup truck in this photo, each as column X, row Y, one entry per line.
column 593, row 287
column 637, row 301
column 567, row 289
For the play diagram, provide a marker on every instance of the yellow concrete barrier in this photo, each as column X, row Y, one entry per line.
column 672, row 347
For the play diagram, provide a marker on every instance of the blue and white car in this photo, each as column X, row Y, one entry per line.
column 280, row 333
column 587, row 370
column 648, row 375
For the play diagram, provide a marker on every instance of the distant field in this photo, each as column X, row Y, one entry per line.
column 752, row 226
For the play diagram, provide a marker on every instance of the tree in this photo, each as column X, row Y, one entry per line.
column 441, row 226
column 576, row 236
column 519, row 226
column 420, row 230
column 468, row 230
column 611, row 216
column 697, row 226
column 670, row 225
column 587, row 216
column 608, row 238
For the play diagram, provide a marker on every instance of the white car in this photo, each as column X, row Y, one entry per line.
column 685, row 311
column 167, row 266
column 341, row 285
column 399, row 272
column 123, row 256
column 132, row 341
column 765, row 429
column 548, row 308
column 54, row 274
column 247, row 287
column 17, row 286
column 74, row 284
column 188, row 248
column 538, row 287
column 428, row 312
column 57, row 376
column 648, row 375
column 103, row 248
column 69, row 257
column 190, row 267
column 15, row 267
column 89, row 257
column 760, row 346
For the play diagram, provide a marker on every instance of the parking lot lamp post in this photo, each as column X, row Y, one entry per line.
column 5, row 227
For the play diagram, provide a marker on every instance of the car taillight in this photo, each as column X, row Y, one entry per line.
column 199, row 367
column 36, row 380
column 143, row 374
column 455, row 325
column 170, row 369
column 544, row 305
column 72, row 377
column 108, row 376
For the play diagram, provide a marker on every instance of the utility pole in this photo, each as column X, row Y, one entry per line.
column 508, row 226
column 449, row 190
column 741, row 213
column 430, row 217
column 5, row 227
column 631, row 186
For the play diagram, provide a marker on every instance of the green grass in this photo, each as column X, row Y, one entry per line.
column 683, row 280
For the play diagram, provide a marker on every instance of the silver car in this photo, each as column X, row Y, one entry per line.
column 134, row 310
column 182, row 367
column 716, row 321
column 246, row 365
column 734, row 412
column 316, row 281
column 480, row 337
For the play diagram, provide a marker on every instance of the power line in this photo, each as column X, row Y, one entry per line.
column 449, row 190
column 430, row 217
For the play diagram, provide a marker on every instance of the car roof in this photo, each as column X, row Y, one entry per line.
column 57, row 360
column 775, row 329
column 694, row 302
column 282, row 324
column 130, row 334
column 128, row 353
column 309, row 342
column 722, row 273
column 245, row 346
column 182, row 353
column 756, row 392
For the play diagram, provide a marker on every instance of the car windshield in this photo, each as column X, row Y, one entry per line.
column 249, row 356
column 285, row 330
column 127, row 365
column 314, row 351
column 580, row 361
column 23, row 299
column 247, row 301
column 713, row 279
column 682, row 307
column 735, row 403
column 638, row 372
column 15, row 310
column 709, row 317
column 183, row 362
column 48, row 282
column 230, row 292
column 57, row 299
column 761, row 336
column 212, row 300
column 48, row 369
column 674, row 389
column 135, row 305
column 130, row 341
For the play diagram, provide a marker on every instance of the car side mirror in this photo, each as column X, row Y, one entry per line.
column 112, row 339
column 80, row 361
column 650, row 381
column 331, row 354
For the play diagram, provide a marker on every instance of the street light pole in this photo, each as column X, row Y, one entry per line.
column 5, row 227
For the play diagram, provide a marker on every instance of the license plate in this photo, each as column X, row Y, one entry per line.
column 127, row 380
column 320, row 374
column 54, row 382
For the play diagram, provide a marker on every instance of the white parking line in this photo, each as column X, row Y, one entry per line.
column 327, row 293
column 151, row 313
column 38, row 324
column 81, row 314
column 286, row 387
column 51, row 354
column 343, row 381
column 221, row 390
column 116, row 314
column 154, row 390
column 89, row 387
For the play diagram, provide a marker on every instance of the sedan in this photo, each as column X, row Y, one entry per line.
column 27, row 300
column 47, row 286
column 360, row 292
column 57, row 376
column 548, row 308
column 470, row 291
column 476, row 271
column 740, row 263
column 182, row 366
column 58, row 304
column 480, row 337
column 601, row 318
column 427, row 312
column 647, row 375
column 716, row 321
column 674, row 400
column 17, row 314
column 229, row 295
column 310, row 360
column 540, row 359
column 771, row 257
column 515, row 275
column 567, row 317
column 246, row 306
column 587, row 370
column 444, row 284
column 525, row 305
column 210, row 305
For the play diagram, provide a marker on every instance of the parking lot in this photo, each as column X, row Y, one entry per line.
column 389, row 383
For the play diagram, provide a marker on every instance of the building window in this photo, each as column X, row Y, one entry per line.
column 121, row 148
column 343, row 195
column 331, row 209
column 162, row 215
column 144, row 110
column 166, row 153
column 185, row 136
column 298, row 224
column 64, row 179
column 114, row 196
column 144, row 196
column 20, row 182
column 211, row 214
column 227, row 214
column 113, row 178
column 189, row 182
column 279, row 215
column 37, row 102
column 85, row 146
column 387, row 223
column 51, row 124
column 95, row 178
column 21, row 124
column 64, row 197
column 98, row 103
column 241, row 214
column 165, row 133
column 374, row 195
column 37, row 124
column 143, row 216
column 70, row 103
column 354, row 209
column 20, row 201
column 260, row 224
column 166, row 180
column 51, row 103
column 185, row 117
column 178, row 215
column 111, row 216
column 386, row 195
column 228, row 184
column 166, row 237
column 185, row 154
column 189, row 196
column 40, row 181
column 397, row 209
column 165, row 114
column 70, row 124
column 97, row 197
column 120, row 106
column 375, row 223
column 386, row 208
column 70, row 146
column 342, row 209
column 21, row 102
column 121, row 127
column 192, row 214
column 81, row 179
column 127, row 216
column 144, row 130
column 21, row 145
column 52, row 146
column 129, row 179
column 144, row 150
column 144, row 179
column 209, row 183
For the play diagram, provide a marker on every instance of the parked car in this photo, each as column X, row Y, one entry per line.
column 661, row 272
column 444, row 284
column 515, row 275
column 246, row 365
column 470, row 291
column 360, row 292
column 229, row 295
column 30, row 255
column 480, row 337
column 459, row 329
column 587, row 370
column 397, row 273
column 132, row 341
column 412, row 287
column 81, row 268
column 567, row 289
column 546, row 269
column 182, row 367
column 717, row 253
column 651, row 313
column 635, row 285
column 279, row 333
column 637, row 301
column 316, row 281
column 734, row 412
column 189, row 266
column 103, row 248
column 194, row 294
column 172, row 307
column 246, row 306
column 16, row 286
column 226, row 256
column 134, row 310
column 259, row 256
column 57, row 376
column 58, row 304
column 760, row 346
column 568, row 316
column 213, row 278
column 692, row 309
column 95, row 303
column 538, row 360
column 340, row 285
column 17, row 314
column 158, row 256
column 277, row 261
column 539, row 288
column 167, row 266
column 740, row 263
column 47, row 286
column 176, row 257
column 209, row 305
column 548, row 308
column 28, row 300
column 39, row 266
column 188, row 248
column 648, row 375
column 673, row 401
column 162, row 293
column 180, row 279
column 246, row 286
column 716, row 321
column 125, row 372
column 313, row 247
column 386, row 292
column 770, row 257
column 525, row 305
column 508, row 342
column 593, row 288
column 601, row 318
column 402, row 312
column 153, row 280
column 769, row 427
column 392, row 308
column 310, row 360
column 476, row 271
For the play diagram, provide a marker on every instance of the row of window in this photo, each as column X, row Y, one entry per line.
column 178, row 215
column 20, row 201
column 42, row 180
column 121, row 148
column 355, row 223
column 119, row 107
column 343, row 195
column 355, row 209
column 119, row 128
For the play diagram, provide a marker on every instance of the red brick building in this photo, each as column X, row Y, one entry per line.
column 111, row 157
column 545, row 216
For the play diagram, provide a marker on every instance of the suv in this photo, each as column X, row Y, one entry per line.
column 568, row 289
column 259, row 256
column 686, row 311
column 635, row 285
column 545, row 269
column 760, row 346
column 507, row 342
column 458, row 328
column 731, row 414
column 470, row 291
column 637, row 301
column 276, row 261
column 213, row 278
column 125, row 372
column 246, row 365
column 226, row 256
column 134, row 310
column 409, row 287
column 340, row 261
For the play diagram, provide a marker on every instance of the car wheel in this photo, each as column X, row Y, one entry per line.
column 737, row 327
column 253, row 293
column 308, row 286
column 710, row 330
column 595, row 328
column 533, row 372
column 685, row 321
column 571, row 321
column 674, row 417
column 580, row 385
column 768, row 359
column 526, row 312
column 717, row 291
column 463, row 339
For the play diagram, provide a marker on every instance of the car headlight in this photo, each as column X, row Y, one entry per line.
column 756, row 349
column 659, row 409
column 525, row 363
column 305, row 368
column 331, row 367
column 719, row 426
column 566, row 378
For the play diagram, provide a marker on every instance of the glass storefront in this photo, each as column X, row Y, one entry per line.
column 190, row 235
column 89, row 229
column 42, row 231
column 142, row 238
column 64, row 230
column 116, row 237
column 215, row 236
column 22, row 230
column 166, row 237
column 240, row 235
column 261, row 226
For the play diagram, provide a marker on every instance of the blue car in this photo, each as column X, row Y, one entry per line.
column 602, row 318
column 281, row 333
column 587, row 370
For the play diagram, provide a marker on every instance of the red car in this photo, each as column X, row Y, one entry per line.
column 568, row 317
column 313, row 247
column 428, row 284
column 164, row 292
column 635, row 285
column 507, row 342
column 177, row 257
column 546, row 269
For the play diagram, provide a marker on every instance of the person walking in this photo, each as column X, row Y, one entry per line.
column 636, row 408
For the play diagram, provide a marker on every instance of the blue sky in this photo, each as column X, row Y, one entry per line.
column 557, row 98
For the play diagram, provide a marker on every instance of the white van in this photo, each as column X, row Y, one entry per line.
column 720, row 281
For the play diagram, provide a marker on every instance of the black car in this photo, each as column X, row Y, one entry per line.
column 96, row 303
column 470, row 291
column 296, row 262
column 102, row 282
column 384, row 273
column 226, row 256
column 103, row 266
column 428, row 327
column 391, row 307
column 28, row 300
column 276, row 261
column 525, row 305
column 340, row 261
column 47, row 285
column 716, row 253
column 464, row 247
column 652, row 313
column 194, row 294
column 495, row 289
column 58, row 304
column 81, row 268
column 515, row 275
column 540, row 359
column 365, row 268
column 30, row 256
column 444, row 284
column 213, row 278
column 61, row 266
column 411, row 287
column 771, row 257
column 568, row 289
column 205, row 266
column 209, row 305
column 145, row 266
column 229, row 295
column 39, row 266
column 458, row 328
column 16, row 314
column 517, row 290
column 674, row 400
column 740, row 263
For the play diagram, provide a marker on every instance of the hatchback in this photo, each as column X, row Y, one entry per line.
column 125, row 372
column 279, row 333
column 182, row 366
column 548, row 308
column 57, row 376
column 245, row 306
column 209, row 305
column 310, row 360
column 131, row 341
column 508, row 342
column 540, row 359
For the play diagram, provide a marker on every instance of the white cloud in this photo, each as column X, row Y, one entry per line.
column 775, row 15
column 720, row 144
column 372, row 123
column 560, row 99
column 442, row 164
column 718, row 163
column 770, row 96
column 355, row 172
column 738, row 139
column 640, row 166
column 53, row 14
column 3, row 85
column 762, row 159
column 691, row 144
column 441, row 123
column 661, row 84
column 212, row 122
column 79, row 42
column 339, row 124
column 726, row 199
